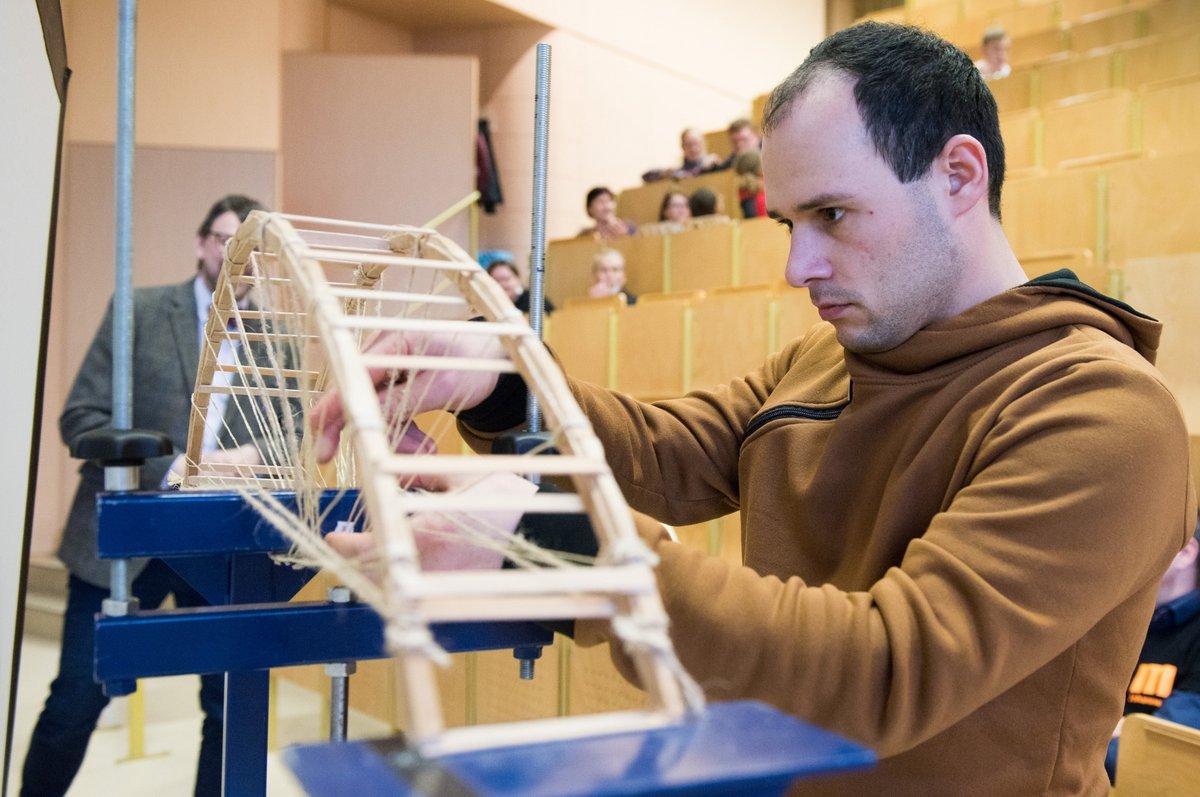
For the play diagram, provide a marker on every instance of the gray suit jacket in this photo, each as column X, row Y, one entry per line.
column 166, row 354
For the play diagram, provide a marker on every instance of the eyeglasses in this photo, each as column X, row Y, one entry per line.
column 220, row 238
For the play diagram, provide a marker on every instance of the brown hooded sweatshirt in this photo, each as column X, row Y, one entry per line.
column 951, row 548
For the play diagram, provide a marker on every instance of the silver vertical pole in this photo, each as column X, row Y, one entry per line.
column 537, row 254
column 123, row 180
column 122, row 377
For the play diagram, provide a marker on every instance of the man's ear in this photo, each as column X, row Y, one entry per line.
column 199, row 247
column 963, row 165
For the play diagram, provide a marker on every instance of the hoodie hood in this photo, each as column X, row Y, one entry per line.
column 1053, row 301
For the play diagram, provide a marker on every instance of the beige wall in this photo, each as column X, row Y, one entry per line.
column 625, row 80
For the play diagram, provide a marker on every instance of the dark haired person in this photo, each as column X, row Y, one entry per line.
column 743, row 138
column 504, row 272
column 601, row 207
column 169, row 325
column 1166, row 682
column 957, row 494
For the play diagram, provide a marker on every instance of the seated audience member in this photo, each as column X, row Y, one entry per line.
column 696, row 157
column 505, row 273
column 752, row 198
column 743, row 137
column 996, row 46
column 1166, row 682
column 706, row 202
column 608, row 275
column 602, row 209
column 675, row 208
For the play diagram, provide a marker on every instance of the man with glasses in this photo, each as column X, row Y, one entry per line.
column 169, row 324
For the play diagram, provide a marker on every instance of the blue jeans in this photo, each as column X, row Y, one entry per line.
column 61, row 736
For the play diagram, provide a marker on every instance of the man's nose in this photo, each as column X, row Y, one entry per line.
column 807, row 260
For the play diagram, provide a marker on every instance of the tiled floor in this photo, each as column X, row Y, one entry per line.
column 171, row 738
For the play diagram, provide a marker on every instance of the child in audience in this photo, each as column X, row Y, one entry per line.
column 608, row 273
column 675, row 208
column 996, row 46
column 505, row 273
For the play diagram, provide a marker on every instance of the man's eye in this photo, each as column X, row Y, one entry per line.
column 782, row 221
column 832, row 215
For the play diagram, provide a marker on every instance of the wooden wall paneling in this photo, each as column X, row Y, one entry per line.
column 1096, row 126
column 731, row 333
column 701, row 258
column 762, row 251
column 1171, row 116
column 569, row 268
column 583, row 334
column 1166, row 288
column 1153, row 207
column 653, row 345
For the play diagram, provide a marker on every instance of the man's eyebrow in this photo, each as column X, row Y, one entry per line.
column 820, row 201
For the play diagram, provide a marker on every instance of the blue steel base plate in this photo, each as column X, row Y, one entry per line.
column 742, row 748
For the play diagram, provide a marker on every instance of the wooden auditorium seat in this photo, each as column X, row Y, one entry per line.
column 1171, row 116
column 1054, row 211
column 700, row 257
column 1089, row 129
column 1080, row 261
column 653, row 345
column 1081, row 74
column 731, row 333
column 761, row 251
column 1153, row 207
column 1166, row 287
column 1103, row 28
column 644, row 261
column 582, row 332
column 1022, row 134
column 1157, row 758
column 640, row 204
column 1175, row 53
column 569, row 267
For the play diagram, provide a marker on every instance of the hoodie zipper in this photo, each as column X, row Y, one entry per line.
column 796, row 411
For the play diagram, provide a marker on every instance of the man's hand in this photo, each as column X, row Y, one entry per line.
column 246, row 454
column 451, row 540
column 405, row 394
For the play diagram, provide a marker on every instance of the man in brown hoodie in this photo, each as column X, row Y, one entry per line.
column 958, row 494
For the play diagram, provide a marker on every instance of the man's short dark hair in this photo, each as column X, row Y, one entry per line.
column 238, row 203
column 739, row 124
column 914, row 92
column 703, row 202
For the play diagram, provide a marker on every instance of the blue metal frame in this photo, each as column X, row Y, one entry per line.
column 743, row 748
column 222, row 548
